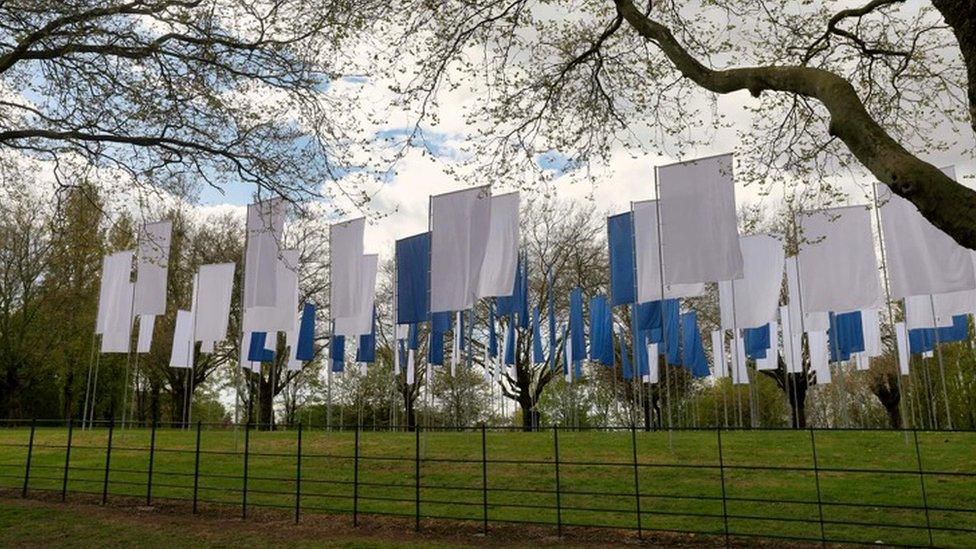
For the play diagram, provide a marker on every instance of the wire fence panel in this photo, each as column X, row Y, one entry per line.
column 843, row 486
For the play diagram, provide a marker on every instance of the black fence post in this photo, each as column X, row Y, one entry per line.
column 247, row 451
column 921, row 479
column 67, row 460
column 416, row 476
column 196, row 471
column 816, row 475
column 152, row 457
column 108, row 460
column 355, row 480
column 721, row 469
column 298, row 475
column 637, row 497
column 559, row 510
column 484, row 479
column 30, row 452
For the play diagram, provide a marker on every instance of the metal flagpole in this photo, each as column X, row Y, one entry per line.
column 193, row 351
column 664, row 322
column 94, row 392
column 799, row 297
column 891, row 315
column 735, row 339
column 938, row 354
column 88, row 380
column 128, row 356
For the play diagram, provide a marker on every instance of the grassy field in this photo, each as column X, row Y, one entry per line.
column 869, row 487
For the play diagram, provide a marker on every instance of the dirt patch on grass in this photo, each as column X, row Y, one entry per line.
column 224, row 525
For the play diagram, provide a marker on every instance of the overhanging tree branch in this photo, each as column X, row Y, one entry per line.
column 944, row 202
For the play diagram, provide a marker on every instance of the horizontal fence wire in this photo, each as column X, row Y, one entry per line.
column 898, row 488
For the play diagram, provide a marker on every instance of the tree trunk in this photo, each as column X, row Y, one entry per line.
column 961, row 16
column 886, row 389
column 265, row 404
column 408, row 405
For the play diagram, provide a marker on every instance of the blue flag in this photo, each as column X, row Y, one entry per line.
column 601, row 331
column 692, row 351
column 625, row 357
column 256, row 351
column 305, row 348
column 510, row 341
column 412, row 279
column 413, row 340
column 620, row 239
column 669, row 348
column 552, row 325
column 510, row 305
column 523, row 300
column 538, row 357
column 756, row 341
column 922, row 340
column 576, row 328
column 367, row 344
column 338, row 352
column 492, row 333
column 845, row 335
column 440, row 324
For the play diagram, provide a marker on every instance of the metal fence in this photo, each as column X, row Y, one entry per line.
column 909, row 488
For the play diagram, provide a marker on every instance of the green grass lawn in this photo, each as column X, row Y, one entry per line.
column 869, row 486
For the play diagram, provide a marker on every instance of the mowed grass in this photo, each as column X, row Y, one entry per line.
column 869, row 486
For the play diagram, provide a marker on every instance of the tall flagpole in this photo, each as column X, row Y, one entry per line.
column 891, row 315
column 88, row 378
column 938, row 354
column 128, row 356
column 664, row 322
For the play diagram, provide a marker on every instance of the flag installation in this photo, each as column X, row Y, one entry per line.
column 923, row 340
column 771, row 359
column 146, row 325
column 752, row 300
column 459, row 225
column 837, row 268
column 265, row 222
column 647, row 247
column 845, row 336
column 921, row 258
column 152, row 264
column 699, row 229
column 497, row 277
column 366, row 351
column 305, row 346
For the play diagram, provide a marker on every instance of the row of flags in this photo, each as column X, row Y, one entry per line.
column 660, row 252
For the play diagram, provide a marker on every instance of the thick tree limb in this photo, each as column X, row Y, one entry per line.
column 947, row 204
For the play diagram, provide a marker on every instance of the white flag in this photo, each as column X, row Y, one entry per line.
column 718, row 354
column 345, row 264
column 653, row 375
column 501, row 254
column 459, row 223
column 152, row 266
column 265, row 223
column 361, row 322
column 901, row 338
column 837, row 266
column 215, row 285
column 871, row 328
column 280, row 316
column 919, row 313
column 792, row 342
column 647, row 254
column 819, row 355
column 181, row 354
column 698, row 222
column 771, row 361
column 922, row 259
column 740, row 372
column 756, row 294
column 115, row 305
column 146, row 325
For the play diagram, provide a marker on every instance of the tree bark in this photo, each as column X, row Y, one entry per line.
column 961, row 17
column 945, row 203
